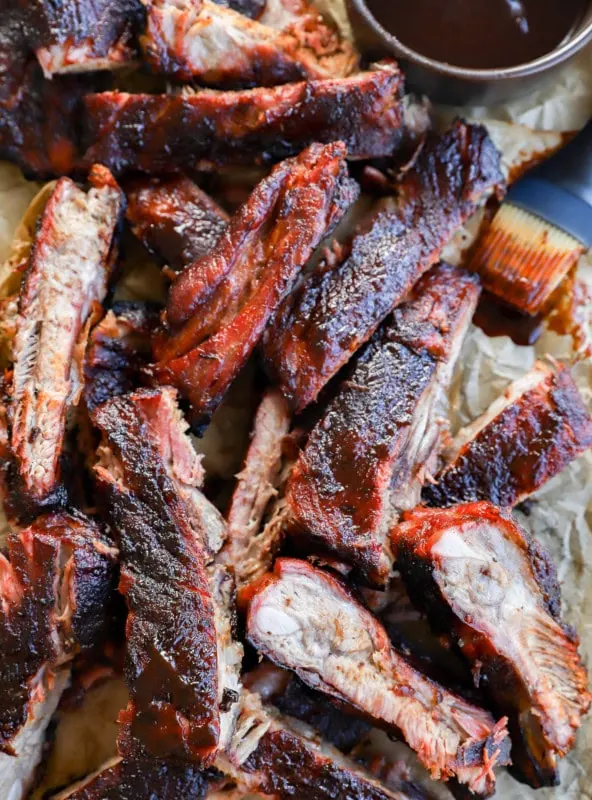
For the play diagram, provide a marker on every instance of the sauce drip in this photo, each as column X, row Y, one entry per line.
column 479, row 34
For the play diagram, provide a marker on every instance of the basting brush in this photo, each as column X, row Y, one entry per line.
column 541, row 230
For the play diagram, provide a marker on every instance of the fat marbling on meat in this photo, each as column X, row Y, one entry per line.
column 57, row 584
column 248, row 550
column 218, row 46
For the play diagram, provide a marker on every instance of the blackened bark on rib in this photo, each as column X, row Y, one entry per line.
column 533, row 438
column 57, row 587
column 171, row 659
column 163, row 133
column 119, row 347
column 379, row 431
column 319, row 327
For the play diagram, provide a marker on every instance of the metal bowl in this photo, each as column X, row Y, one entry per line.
column 445, row 83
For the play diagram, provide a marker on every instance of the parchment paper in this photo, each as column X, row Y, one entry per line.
column 561, row 517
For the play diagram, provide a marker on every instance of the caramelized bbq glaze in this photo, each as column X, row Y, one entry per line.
column 379, row 430
column 338, row 308
column 173, row 218
column 160, row 133
column 171, row 661
column 219, row 306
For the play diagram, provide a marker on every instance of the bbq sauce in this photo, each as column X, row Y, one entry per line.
column 479, row 34
column 496, row 319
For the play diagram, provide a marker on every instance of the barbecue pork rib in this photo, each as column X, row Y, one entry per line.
column 269, row 754
column 483, row 580
column 217, row 46
column 37, row 117
column 119, row 346
column 256, row 486
column 293, row 698
column 141, row 779
column 306, row 620
column 284, row 758
column 207, row 129
column 182, row 663
column 174, row 219
column 366, row 458
column 57, row 582
column 67, row 275
column 527, row 436
column 339, row 306
column 79, row 36
column 219, row 306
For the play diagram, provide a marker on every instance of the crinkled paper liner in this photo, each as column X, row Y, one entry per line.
column 561, row 516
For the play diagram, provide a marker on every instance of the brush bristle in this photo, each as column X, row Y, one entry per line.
column 522, row 258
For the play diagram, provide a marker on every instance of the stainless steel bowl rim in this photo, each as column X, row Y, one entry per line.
column 562, row 52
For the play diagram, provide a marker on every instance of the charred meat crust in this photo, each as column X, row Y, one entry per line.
column 537, row 432
column 79, row 36
column 174, row 219
column 151, row 778
column 182, row 663
column 171, row 656
column 289, row 768
column 56, row 585
column 69, row 267
column 278, row 755
column 345, row 652
column 221, row 304
column 338, row 308
column 163, row 133
column 119, row 347
column 340, row 494
column 485, row 582
column 221, row 47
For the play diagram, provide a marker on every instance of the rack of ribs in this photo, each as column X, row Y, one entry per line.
column 174, row 219
column 66, row 278
column 306, row 620
column 182, row 662
column 366, row 458
column 493, row 589
column 218, row 307
column 338, row 307
column 528, row 435
column 57, row 582
column 219, row 46
column 205, row 129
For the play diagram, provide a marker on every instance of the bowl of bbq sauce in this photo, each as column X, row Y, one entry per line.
column 473, row 51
